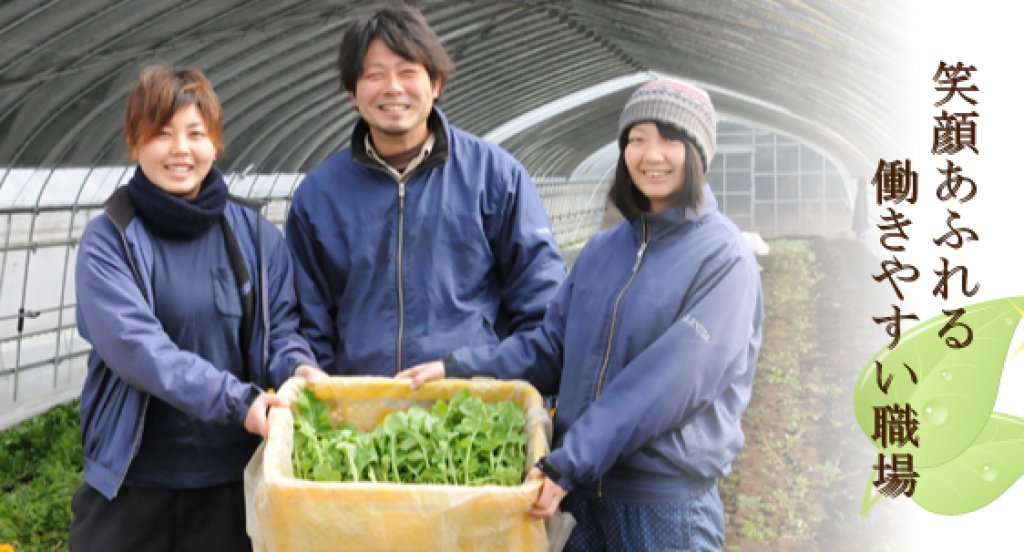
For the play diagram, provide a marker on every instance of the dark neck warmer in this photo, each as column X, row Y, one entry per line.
column 170, row 216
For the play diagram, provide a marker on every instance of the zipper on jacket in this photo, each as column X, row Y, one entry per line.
column 612, row 326
column 401, row 179
column 400, row 282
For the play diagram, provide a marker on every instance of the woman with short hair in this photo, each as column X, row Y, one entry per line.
column 186, row 295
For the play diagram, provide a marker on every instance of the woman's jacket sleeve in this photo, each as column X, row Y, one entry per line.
column 287, row 347
column 118, row 321
column 316, row 317
column 534, row 355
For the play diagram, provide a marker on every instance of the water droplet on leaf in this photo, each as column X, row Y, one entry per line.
column 936, row 413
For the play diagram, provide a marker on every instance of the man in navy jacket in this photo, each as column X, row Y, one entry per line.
column 418, row 238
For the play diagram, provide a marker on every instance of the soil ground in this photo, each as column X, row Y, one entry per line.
column 800, row 479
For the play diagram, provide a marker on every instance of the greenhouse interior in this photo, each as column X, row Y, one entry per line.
column 795, row 84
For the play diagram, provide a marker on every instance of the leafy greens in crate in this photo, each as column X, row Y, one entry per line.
column 464, row 441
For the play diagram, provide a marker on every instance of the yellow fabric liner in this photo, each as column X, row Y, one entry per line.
column 287, row 514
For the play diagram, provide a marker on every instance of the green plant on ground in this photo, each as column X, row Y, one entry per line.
column 40, row 468
column 772, row 505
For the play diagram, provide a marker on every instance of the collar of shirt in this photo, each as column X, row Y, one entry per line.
column 428, row 145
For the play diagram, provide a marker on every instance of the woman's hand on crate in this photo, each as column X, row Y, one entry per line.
column 551, row 496
column 422, row 373
column 256, row 418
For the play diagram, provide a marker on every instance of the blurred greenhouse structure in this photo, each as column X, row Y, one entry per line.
column 796, row 86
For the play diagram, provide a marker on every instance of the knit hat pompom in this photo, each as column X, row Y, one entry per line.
column 676, row 103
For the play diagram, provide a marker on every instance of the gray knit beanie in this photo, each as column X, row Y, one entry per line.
column 679, row 104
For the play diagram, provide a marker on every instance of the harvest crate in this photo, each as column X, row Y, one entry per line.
column 288, row 514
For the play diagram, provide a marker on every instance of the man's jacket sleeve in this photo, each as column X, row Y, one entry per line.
column 119, row 322
column 530, row 265
column 317, row 321
column 698, row 358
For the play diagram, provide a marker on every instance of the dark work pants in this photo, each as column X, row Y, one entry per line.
column 160, row 520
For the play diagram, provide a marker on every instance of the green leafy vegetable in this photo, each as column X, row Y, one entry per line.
column 464, row 441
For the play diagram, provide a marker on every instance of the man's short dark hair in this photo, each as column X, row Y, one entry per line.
column 404, row 30
column 631, row 202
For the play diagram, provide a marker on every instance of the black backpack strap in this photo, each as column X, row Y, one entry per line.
column 121, row 210
column 249, row 299
column 247, row 291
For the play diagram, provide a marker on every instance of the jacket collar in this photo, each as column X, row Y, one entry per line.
column 436, row 122
column 673, row 220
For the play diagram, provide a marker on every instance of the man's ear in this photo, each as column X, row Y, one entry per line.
column 437, row 86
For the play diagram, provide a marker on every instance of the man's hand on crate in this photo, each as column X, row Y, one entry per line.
column 422, row 373
column 311, row 374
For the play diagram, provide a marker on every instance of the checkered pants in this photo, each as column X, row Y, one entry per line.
column 617, row 526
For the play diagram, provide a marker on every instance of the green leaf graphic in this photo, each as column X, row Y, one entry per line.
column 978, row 476
column 955, row 388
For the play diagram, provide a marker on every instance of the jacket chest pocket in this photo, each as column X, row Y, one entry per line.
column 225, row 292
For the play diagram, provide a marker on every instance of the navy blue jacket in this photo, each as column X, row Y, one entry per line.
column 133, row 358
column 392, row 273
column 651, row 344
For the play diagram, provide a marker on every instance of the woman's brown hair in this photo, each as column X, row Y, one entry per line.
column 159, row 93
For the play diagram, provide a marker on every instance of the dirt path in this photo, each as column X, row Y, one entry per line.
column 799, row 481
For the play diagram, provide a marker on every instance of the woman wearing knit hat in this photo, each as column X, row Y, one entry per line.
column 185, row 294
column 651, row 345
